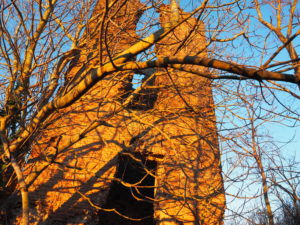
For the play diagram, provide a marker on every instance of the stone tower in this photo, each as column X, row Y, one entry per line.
column 155, row 161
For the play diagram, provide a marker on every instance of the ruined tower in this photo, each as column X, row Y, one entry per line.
column 155, row 161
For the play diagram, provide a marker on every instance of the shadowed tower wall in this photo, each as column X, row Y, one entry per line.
column 170, row 139
column 61, row 172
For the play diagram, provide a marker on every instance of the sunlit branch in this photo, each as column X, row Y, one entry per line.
column 234, row 68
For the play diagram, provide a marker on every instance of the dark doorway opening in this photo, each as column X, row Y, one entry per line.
column 133, row 202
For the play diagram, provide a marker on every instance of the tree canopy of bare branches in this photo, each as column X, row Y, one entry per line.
column 158, row 73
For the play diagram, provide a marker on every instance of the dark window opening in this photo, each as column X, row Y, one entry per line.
column 131, row 202
column 145, row 98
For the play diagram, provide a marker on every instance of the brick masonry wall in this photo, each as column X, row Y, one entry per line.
column 178, row 131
